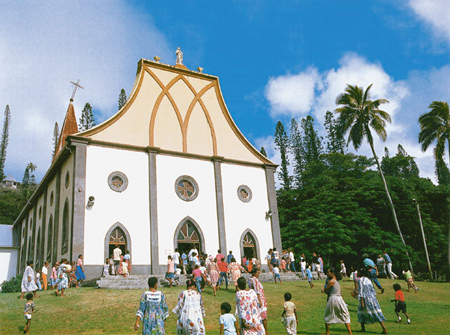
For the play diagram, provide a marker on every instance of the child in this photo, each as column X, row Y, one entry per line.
column 125, row 268
column 309, row 276
column 29, row 309
column 276, row 274
column 197, row 275
column 289, row 315
column 343, row 269
column 400, row 304
column 170, row 274
column 106, row 268
column 409, row 279
column 227, row 321
column 38, row 280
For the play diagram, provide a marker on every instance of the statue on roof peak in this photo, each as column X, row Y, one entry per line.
column 179, row 56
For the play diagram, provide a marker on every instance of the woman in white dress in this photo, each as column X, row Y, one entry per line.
column 28, row 280
column 190, row 311
column 336, row 310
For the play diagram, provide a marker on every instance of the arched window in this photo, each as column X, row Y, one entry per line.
column 65, row 228
column 49, row 239
column 249, row 245
column 117, row 235
column 38, row 251
column 188, row 233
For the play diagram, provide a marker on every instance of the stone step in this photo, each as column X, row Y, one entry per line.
column 140, row 281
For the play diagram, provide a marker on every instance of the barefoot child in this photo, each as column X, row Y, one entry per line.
column 276, row 274
column 309, row 276
column 400, row 304
column 29, row 309
column 227, row 321
column 410, row 280
column 289, row 315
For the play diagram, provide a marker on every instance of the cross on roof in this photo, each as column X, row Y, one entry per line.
column 76, row 86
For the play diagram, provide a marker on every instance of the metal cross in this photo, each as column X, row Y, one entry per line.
column 76, row 86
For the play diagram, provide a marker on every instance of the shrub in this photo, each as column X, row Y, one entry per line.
column 12, row 285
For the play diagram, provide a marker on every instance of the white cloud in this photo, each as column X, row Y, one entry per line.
column 292, row 94
column 46, row 45
column 408, row 99
column 434, row 12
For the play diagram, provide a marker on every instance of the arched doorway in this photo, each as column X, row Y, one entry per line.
column 188, row 233
column 249, row 245
column 117, row 235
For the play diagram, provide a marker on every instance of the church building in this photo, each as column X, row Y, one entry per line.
column 168, row 170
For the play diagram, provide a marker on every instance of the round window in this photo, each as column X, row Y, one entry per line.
column 244, row 193
column 118, row 181
column 186, row 188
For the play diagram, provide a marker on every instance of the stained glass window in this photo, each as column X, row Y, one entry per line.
column 244, row 193
column 186, row 188
column 117, row 237
column 118, row 181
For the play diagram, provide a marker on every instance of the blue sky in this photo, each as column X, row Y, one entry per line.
column 275, row 61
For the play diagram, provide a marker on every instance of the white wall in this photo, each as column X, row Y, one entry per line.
column 130, row 207
column 241, row 215
column 172, row 210
column 8, row 260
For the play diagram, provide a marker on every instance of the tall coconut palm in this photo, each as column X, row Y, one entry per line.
column 435, row 126
column 358, row 116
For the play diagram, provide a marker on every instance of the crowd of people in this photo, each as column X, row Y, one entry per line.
column 251, row 313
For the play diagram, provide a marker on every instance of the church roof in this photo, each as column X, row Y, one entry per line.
column 69, row 127
column 174, row 109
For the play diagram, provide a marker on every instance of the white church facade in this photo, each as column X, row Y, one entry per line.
column 168, row 170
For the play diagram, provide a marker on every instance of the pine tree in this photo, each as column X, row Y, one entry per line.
column 263, row 151
column 4, row 141
column 55, row 139
column 282, row 144
column 87, row 120
column 312, row 142
column 336, row 143
column 122, row 98
column 26, row 178
column 297, row 151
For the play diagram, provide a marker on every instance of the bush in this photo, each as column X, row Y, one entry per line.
column 12, row 285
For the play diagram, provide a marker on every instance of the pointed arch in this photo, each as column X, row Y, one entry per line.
column 249, row 235
column 188, row 220
column 126, row 235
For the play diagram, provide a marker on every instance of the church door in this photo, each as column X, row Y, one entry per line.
column 249, row 246
column 117, row 236
column 188, row 235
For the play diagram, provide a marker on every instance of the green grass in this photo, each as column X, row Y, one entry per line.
column 96, row 311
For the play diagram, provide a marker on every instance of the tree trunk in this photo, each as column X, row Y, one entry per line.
column 394, row 214
column 447, row 277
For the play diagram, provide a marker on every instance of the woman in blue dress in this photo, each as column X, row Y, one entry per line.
column 153, row 310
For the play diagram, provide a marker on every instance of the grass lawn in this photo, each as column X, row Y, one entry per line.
column 97, row 311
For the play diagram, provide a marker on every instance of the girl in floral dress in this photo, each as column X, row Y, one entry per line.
column 190, row 311
column 247, row 310
column 235, row 270
column 153, row 310
column 369, row 310
column 213, row 272
column 63, row 281
column 255, row 284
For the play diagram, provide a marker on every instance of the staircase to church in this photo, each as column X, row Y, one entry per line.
column 140, row 281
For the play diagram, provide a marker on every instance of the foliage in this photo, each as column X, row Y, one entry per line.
column 401, row 165
column 11, row 203
column 263, row 152
column 55, row 139
column 12, row 285
column 87, row 120
column 335, row 140
column 4, row 141
column 296, row 142
column 282, row 144
column 122, row 98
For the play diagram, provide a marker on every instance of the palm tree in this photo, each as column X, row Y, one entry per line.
column 435, row 126
column 358, row 116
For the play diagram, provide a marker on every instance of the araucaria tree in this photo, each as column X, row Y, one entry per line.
column 55, row 139
column 87, row 120
column 357, row 116
column 4, row 141
column 282, row 144
column 122, row 98
column 435, row 127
